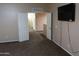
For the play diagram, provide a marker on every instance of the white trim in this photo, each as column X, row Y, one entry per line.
column 49, row 26
column 9, row 41
column 64, row 49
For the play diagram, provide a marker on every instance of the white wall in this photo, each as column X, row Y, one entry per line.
column 74, row 32
column 9, row 17
column 61, row 34
column 23, row 27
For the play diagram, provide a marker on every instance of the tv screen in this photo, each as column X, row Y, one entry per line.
column 66, row 12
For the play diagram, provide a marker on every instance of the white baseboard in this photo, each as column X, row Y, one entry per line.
column 64, row 49
column 8, row 41
column 23, row 41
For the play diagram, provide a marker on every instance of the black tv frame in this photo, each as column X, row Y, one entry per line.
column 67, row 12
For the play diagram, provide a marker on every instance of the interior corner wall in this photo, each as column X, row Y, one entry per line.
column 68, row 40
column 41, row 19
column 9, row 20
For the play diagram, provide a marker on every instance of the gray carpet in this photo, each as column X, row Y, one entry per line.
column 38, row 45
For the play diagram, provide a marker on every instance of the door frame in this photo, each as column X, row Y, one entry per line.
column 51, row 26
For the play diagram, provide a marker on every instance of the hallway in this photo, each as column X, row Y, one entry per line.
column 38, row 45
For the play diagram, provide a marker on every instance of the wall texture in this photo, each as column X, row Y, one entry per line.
column 8, row 19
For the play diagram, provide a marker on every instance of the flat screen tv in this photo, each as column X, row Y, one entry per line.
column 66, row 12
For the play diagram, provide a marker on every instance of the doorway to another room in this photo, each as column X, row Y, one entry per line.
column 34, row 23
column 31, row 21
column 38, row 23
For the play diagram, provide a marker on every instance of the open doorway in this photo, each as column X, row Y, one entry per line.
column 40, row 22
column 32, row 21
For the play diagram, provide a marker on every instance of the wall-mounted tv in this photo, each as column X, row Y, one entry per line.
column 66, row 12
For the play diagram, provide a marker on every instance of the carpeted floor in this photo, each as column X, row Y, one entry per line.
column 36, row 46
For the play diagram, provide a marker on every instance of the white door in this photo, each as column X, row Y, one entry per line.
column 49, row 26
column 23, row 27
